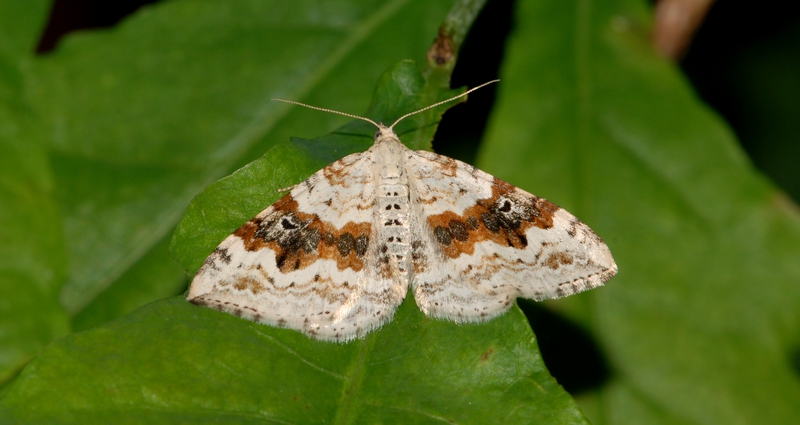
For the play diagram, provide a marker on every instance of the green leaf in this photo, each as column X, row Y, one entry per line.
column 153, row 277
column 702, row 322
column 141, row 117
column 21, row 23
column 172, row 362
column 32, row 253
column 221, row 368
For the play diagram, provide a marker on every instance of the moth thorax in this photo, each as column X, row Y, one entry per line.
column 394, row 230
column 390, row 161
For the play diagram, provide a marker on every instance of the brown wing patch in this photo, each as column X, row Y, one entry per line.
column 299, row 239
column 249, row 283
column 557, row 259
column 340, row 172
column 449, row 166
column 504, row 218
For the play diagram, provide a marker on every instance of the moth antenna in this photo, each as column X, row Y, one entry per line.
column 442, row 102
column 330, row 110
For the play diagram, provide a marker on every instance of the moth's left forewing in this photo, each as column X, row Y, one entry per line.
column 307, row 261
column 484, row 242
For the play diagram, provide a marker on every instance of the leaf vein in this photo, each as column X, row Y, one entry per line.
column 301, row 358
column 417, row 411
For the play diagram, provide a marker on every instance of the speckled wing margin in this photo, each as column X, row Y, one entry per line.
column 307, row 261
column 484, row 242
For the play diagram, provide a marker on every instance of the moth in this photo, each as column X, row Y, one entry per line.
column 336, row 256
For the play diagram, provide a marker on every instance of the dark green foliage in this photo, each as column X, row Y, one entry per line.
column 121, row 135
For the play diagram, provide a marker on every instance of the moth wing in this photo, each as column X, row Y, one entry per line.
column 483, row 242
column 305, row 263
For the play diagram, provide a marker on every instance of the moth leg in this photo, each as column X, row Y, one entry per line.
column 287, row 188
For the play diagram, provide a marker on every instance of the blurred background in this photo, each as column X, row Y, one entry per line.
column 741, row 57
